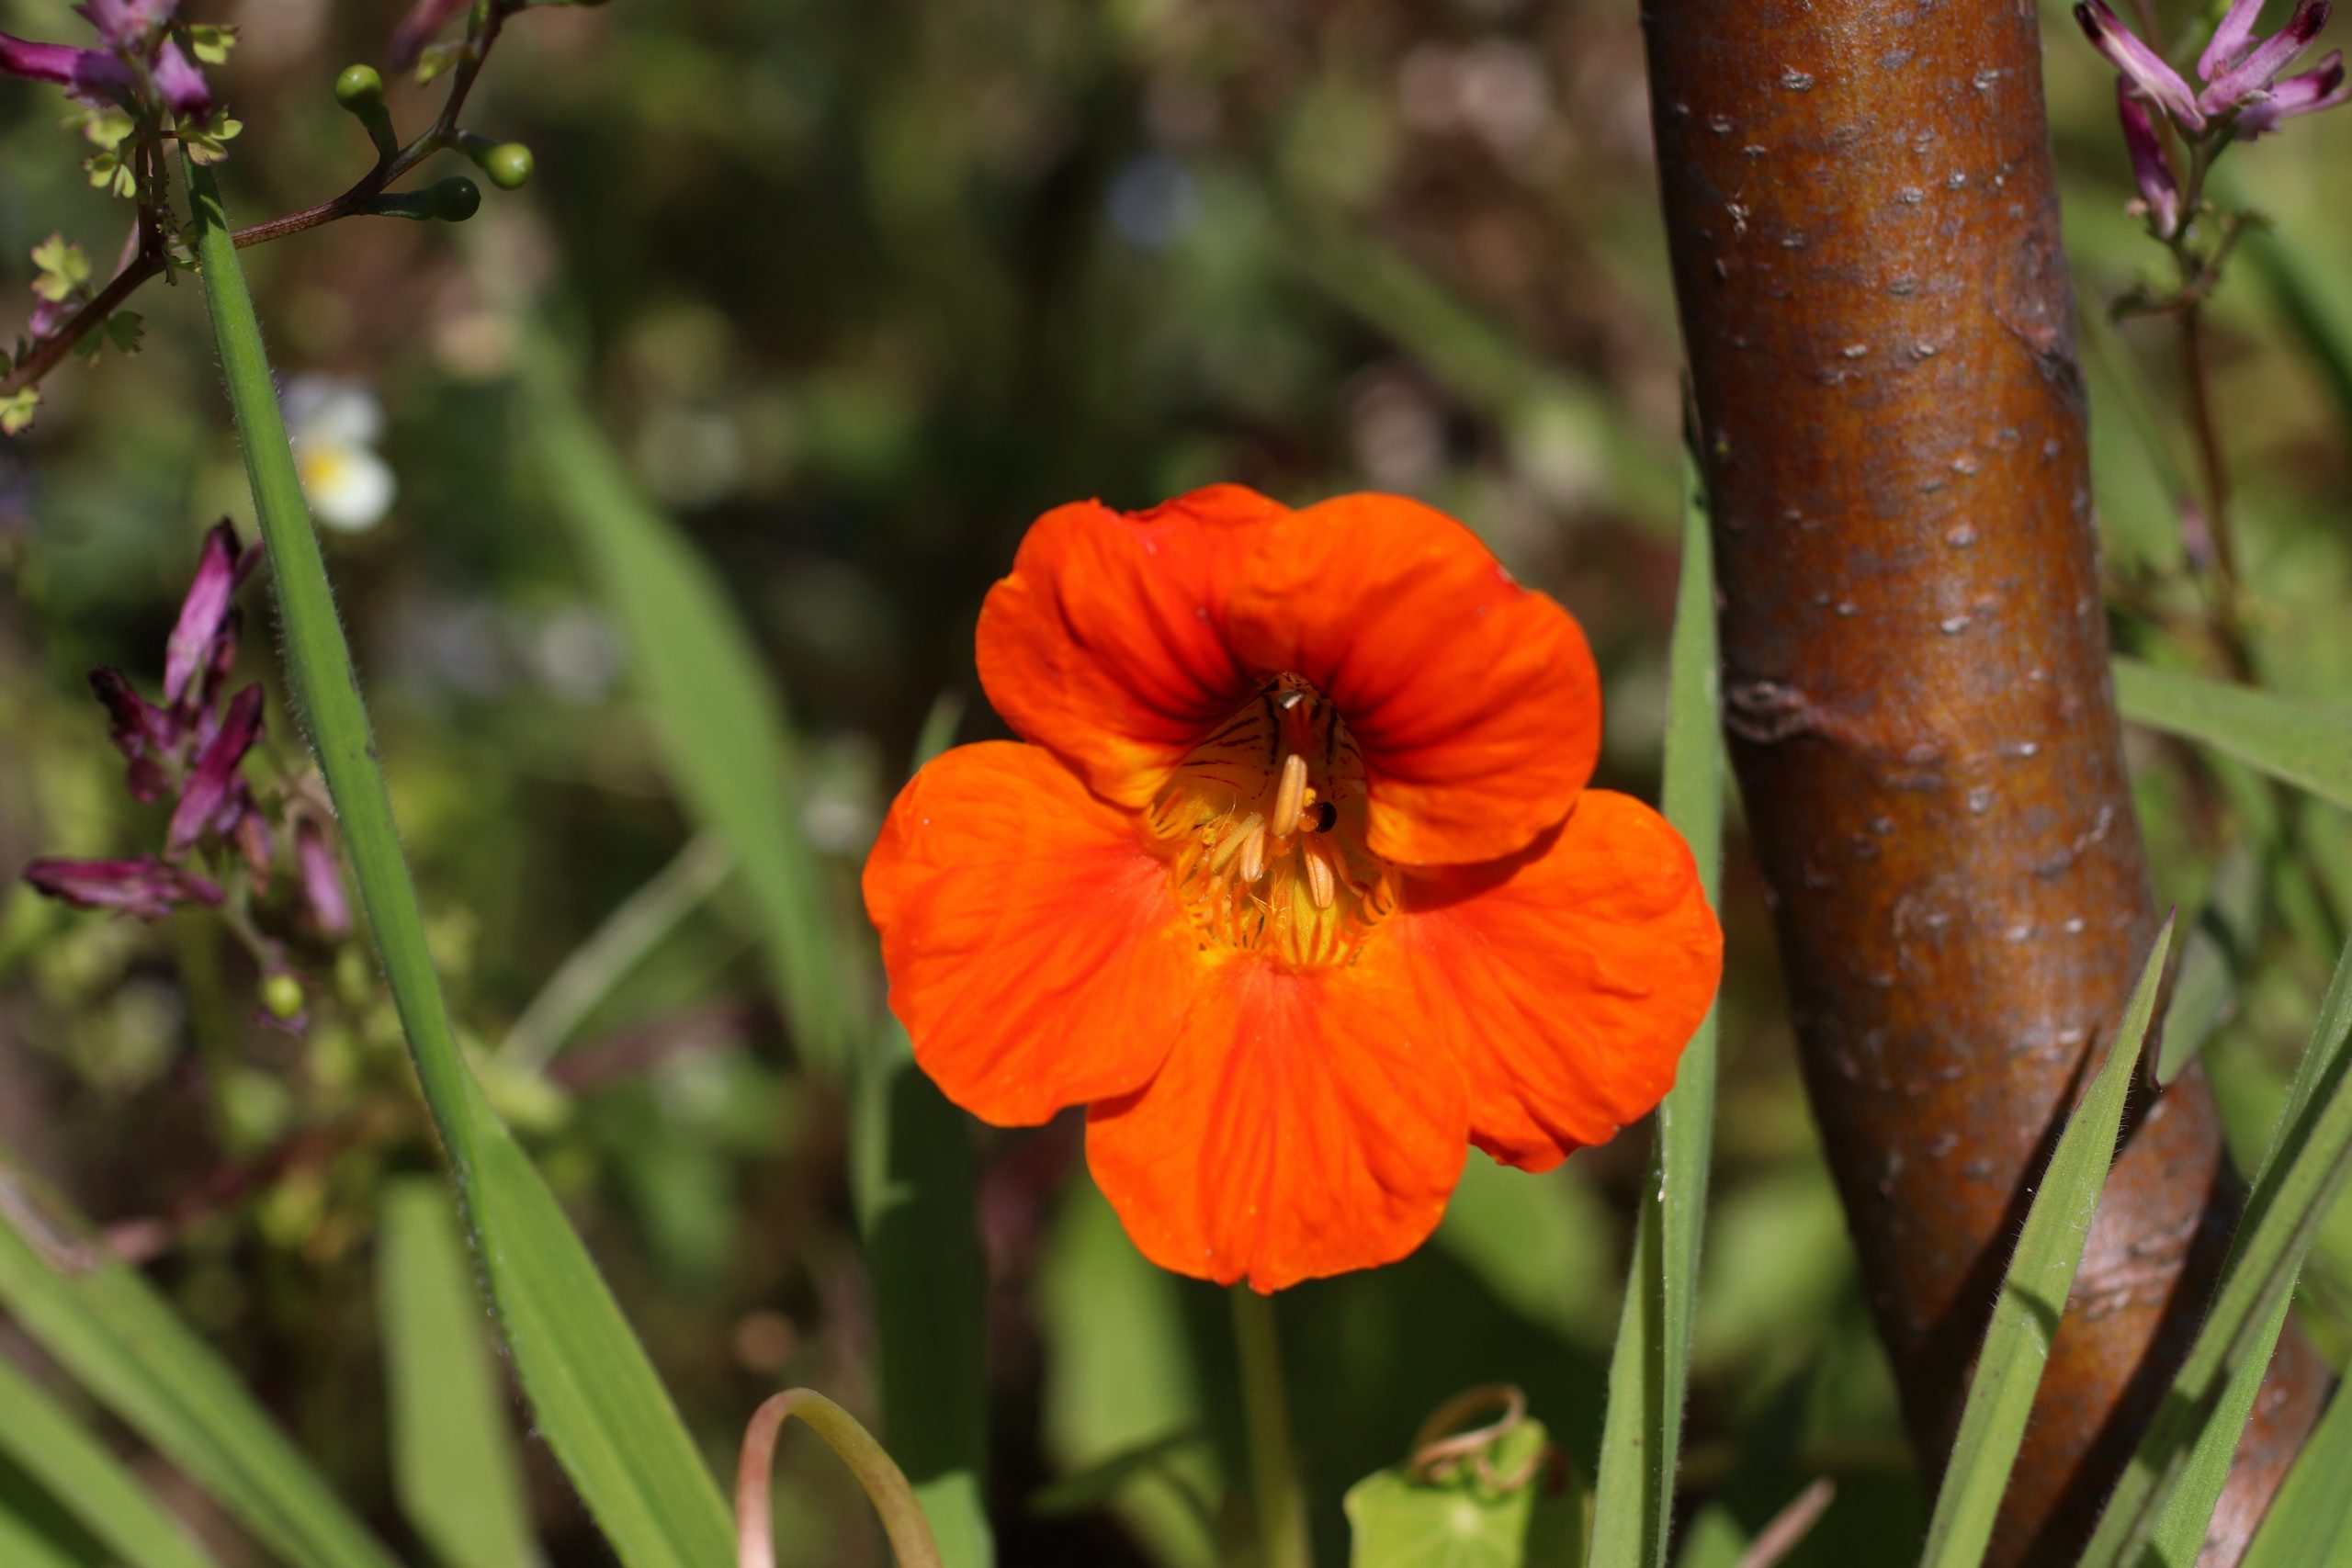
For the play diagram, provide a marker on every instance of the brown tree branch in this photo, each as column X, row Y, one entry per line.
column 1864, row 227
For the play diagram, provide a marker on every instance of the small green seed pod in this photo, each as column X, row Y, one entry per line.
column 455, row 200
column 359, row 89
column 282, row 995
column 508, row 164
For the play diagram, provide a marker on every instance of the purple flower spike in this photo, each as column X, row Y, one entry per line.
column 321, row 883
column 2143, row 66
column 2157, row 187
column 211, row 784
column 144, row 887
column 205, row 611
column 185, row 90
column 94, row 76
column 2322, row 88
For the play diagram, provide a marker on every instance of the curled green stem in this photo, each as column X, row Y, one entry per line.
column 885, row 1483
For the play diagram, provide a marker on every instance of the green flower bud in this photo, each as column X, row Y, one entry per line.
column 455, row 200
column 508, row 164
column 359, row 89
column 282, row 995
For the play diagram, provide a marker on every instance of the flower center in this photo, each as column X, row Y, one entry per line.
column 1263, row 829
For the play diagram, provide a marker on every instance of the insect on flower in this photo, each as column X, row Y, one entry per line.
column 1295, row 884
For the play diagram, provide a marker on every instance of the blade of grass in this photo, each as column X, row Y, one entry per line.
column 613, row 951
column 25, row 1544
column 118, row 1340
column 2305, row 1166
column 721, row 729
column 2178, row 1535
column 45, row 1441
column 454, row 1467
column 593, row 1393
column 2034, row 1294
column 911, row 1178
column 2306, row 744
column 1649, row 1368
column 2309, row 1523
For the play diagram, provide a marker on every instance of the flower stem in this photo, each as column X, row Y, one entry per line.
column 1277, row 1501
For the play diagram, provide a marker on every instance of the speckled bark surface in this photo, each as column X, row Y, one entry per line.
column 1872, row 287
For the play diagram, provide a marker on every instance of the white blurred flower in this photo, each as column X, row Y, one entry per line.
column 335, row 424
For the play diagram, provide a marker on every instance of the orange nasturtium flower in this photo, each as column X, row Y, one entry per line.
column 1296, row 886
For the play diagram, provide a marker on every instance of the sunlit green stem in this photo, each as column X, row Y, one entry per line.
column 886, row 1484
column 317, row 665
column 1277, row 1501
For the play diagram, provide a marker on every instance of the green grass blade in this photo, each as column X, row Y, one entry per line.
column 912, row 1177
column 722, row 730
column 2304, row 743
column 454, row 1465
column 45, row 1441
column 2305, row 1166
column 1649, row 1367
column 25, row 1544
column 119, row 1341
column 2033, row 1296
column 2309, row 1523
column 593, row 1393
column 2178, row 1536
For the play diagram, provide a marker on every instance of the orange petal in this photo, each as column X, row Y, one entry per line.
column 1475, row 700
column 1568, row 977
column 1036, row 954
column 1107, row 641
column 1303, row 1126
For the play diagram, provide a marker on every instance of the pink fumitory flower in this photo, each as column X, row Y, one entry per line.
column 190, row 750
column 2245, row 87
column 132, row 30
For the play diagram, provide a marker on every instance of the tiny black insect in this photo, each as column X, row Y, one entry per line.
column 1327, row 815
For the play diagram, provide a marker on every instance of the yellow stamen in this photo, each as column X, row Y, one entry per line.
column 1321, row 886
column 1253, row 853
column 1251, row 826
column 1290, row 796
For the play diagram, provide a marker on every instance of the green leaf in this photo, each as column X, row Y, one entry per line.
column 2205, row 984
column 911, row 1176
column 593, row 1395
column 454, row 1465
column 2034, row 1294
column 49, row 1445
column 2303, row 1171
column 2309, row 1523
column 25, row 1544
column 724, row 741
column 1462, row 1522
column 1095, row 1487
column 18, row 409
column 118, row 1340
column 2304, row 743
column 60, row 268
column 1641, row 1434
column 2178, row 1536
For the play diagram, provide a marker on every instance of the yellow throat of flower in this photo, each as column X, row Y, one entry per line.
column 1263, row 829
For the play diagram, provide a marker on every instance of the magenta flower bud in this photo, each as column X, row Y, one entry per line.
column 321, row 882
column 2233, row 36
column 94, row 76
column 124, row 23
column 139, row 727
column 192, row 647
column 185, row 90
column 415, row 31
column 2157, row 187
column 2322, row 87
column 2260, row 66
column 144, row 887
column 212, row 785
column 2143, row 66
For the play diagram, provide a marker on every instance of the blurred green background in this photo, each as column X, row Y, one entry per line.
column 853, row 292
